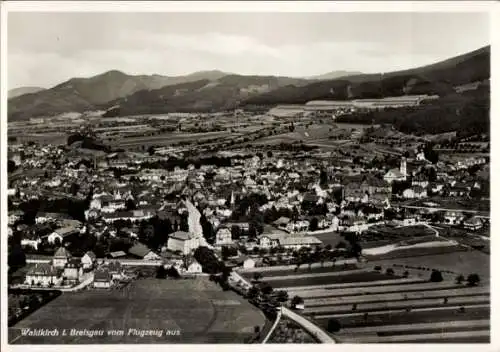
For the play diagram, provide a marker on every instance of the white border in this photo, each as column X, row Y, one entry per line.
column 258, row 6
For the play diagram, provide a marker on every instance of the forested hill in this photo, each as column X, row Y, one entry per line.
column 440, row 78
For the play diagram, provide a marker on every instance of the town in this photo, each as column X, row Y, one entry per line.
column 312, row 204
column 247, row 177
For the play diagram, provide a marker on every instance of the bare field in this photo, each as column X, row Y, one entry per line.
column 195, row 308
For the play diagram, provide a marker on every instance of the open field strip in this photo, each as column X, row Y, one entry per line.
column 396, row 297
column 395, row 311
column 354, row 285
column 421, row 337
column 377, row 289
column 422, row 303
column 402, row 317
column 306, row 276
column 466, row 324
column 292, row 267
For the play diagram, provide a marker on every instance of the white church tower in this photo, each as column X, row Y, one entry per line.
column 402, row 167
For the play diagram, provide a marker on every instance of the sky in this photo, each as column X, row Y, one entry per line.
column 45, row 49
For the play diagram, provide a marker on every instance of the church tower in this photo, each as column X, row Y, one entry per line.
column 402, row 167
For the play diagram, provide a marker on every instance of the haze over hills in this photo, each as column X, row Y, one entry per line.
column 16, row 92
column 216, row 90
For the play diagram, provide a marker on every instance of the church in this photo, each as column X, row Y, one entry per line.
column 395, row 174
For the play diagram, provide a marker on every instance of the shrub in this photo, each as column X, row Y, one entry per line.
column 436, row 276
column 333, row 325
column 473, row 279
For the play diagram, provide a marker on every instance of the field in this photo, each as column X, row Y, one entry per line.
column 302, row 270
column 325, row 280
column 463, row 262
column 199, row 310
column 169, row 138
column 373, row 307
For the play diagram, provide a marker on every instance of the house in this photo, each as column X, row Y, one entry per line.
column 88, row 260
column 142, row 251
column 62, row 233
column 117, row 254
column 223, row 237
column 297, row 242
column 73, row 270
column 474, row 223
column 102, row 278
column 453, row 217
column 14, row 216
column 115, row 269
column 249, row 263
column 182, row 241
column 415, row 192
column 61, row 258
column 194, row 267
column 282, row 222
column 43, row 275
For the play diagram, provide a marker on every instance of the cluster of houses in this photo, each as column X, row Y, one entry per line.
column 316, row 193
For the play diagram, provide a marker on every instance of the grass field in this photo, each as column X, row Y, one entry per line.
column 323, row 280
column 199, row 310
column 170, row 138
column 302, row 270
column 465, row 262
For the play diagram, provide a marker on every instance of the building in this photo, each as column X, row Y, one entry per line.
column 43, row 275
column 61, row 258
column 73, row 270
column 395, row 174
column 474, row 223
column 142, row 251
column 249, row 263
column 184, row 242
column 62, row 233
column 223, row 237
column 115, row 269
column 102, row 279
column 88, row 260
column 194, row 267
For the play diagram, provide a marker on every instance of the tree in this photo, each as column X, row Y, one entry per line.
column 460, row 279
column 257, row 276
column 74, row 189
column 473, row 279
column 282, row 296
column 313, row 226
column 161, row 273
column 389, row 271
column 406, row 274
column 269, row 154
column 235, row 232
column 436, row 276
column 130, row 204
column 296, row 300
column 266, row 289
column 333, row 325
column 253, row 292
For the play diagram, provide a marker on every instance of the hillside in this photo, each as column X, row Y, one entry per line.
column 80, row 94
column 200, row 96
column 16, row 92
column 220, row 90
column 439, row 78
column 334, row 75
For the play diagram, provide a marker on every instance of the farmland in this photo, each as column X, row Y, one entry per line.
column 372, row 305
column 213, row 315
